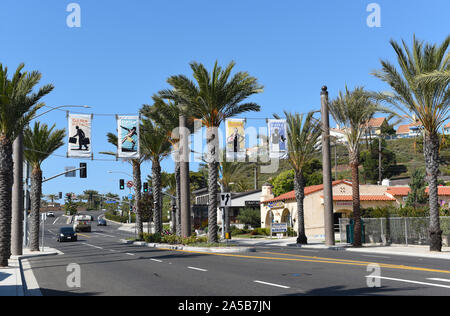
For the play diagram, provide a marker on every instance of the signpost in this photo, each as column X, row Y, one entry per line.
column 43, row 218
column 279, row 228
column 130, row 184
column 225, row 202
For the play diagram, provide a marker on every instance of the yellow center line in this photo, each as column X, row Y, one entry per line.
column 317, row 260
column 84, row 235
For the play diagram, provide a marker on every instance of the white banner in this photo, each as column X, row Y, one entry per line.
column 80, row 126
column 277, row 137
column 235, row 134
column 128, row 137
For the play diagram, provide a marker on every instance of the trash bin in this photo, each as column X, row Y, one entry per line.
column 350, row 228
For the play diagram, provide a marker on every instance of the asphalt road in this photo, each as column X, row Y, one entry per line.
column 108, row 267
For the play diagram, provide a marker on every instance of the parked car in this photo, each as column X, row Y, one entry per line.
column 67, row 234
column 101, row 222
column 50, row 214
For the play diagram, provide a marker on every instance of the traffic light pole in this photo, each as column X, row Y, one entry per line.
column 61, row 174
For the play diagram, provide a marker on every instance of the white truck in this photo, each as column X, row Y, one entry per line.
column 82, row 223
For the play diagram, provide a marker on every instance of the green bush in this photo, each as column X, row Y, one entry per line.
column 173, row 239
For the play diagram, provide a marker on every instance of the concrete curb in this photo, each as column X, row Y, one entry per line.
column 190, row 248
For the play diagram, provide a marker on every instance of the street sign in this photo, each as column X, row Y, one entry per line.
column 130, row 184
column 130, row 196
column 279, row 227
column 44, row 216
column 71, row 174
column 225, row 199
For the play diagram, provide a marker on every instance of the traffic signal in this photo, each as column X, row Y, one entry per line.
column 83, row 170
column 60, row 195
column 145, row 187
column 122, row 184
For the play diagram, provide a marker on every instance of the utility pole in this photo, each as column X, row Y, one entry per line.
column 185, row 205
column 379, row 160
column 17, row 198
column 326, row 167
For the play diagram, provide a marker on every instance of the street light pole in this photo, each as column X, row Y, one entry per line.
column 326, row 163
column 185, row 205
column 18, row 218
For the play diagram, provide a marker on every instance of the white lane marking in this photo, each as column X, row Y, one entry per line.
column 373, row 256
column 55, row 221
column 51, row 232
column 104, row 235
column 92, row 245
column 112, row 250
column 198, row 269
column 32, row 286
column 437, row 279
column 156, row 260
column 130, row 254
column 409, row 281
column 272, row 284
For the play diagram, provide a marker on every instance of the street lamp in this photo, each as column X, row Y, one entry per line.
column 19, row 219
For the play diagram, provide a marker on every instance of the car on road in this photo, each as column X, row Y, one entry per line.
column 101, row 222
column 50, row 214
column 82, row 223
column 67, row 234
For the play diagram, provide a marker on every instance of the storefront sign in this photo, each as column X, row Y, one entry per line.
column 277, row 204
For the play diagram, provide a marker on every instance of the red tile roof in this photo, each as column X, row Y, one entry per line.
column 308, row 190
column 376, row 122
column 403, row 191
column 404, row 129
column 363, row 198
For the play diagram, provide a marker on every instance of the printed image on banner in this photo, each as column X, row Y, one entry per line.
column 235, row 136
column 80, row 136
column 128, row 138
column 277, row 137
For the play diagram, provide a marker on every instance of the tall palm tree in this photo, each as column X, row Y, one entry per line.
column 18, row 105
column 136, row 165
column 303, row 137
column 213, row 98
column 352, row 110
column 52, row 197
column 156, row 146
column 40, row 142
column 421, row 90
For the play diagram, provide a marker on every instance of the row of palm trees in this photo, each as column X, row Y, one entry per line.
column 420, row 88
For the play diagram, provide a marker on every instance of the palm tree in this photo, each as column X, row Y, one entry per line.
column 303, row 138
column 40, row 142
column 136, row 165
column 156, row 146
column 213, row 98
column 52, row 197
column 352, row 110
column 18, row 105
column 420, row 90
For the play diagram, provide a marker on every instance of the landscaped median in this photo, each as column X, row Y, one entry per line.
column 193, row 243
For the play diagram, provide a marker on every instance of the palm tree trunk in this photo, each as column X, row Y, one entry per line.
column 6, row 181
column 300, row 196
column 213, row 175
column 431, row 152
column 137, row 195
column 36, row 190
column 354, row 163
column 156, row 182
column 178, row 201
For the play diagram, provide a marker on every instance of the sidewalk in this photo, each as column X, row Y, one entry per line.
column 401, row 250
column 12, row 281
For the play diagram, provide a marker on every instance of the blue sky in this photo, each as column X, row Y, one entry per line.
column 125, row 50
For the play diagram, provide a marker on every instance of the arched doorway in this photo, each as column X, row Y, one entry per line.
column 286, row 217
column 269, row 217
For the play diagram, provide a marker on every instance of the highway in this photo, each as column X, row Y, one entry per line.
column 110, row 268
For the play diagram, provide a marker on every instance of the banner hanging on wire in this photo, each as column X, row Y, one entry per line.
column 80, row 127
column 128, row 137
column 277, row 138
column 235, row 135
